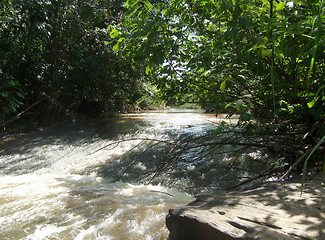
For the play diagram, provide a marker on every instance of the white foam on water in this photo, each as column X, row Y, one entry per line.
column 83, row 207
column 49, row 188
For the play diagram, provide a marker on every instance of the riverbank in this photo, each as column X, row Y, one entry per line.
column 272, row 210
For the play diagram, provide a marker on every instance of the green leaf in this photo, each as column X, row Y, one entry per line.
column 148, row 70
column 132, row 11
column 239, row 102
column 229, row 104
column 144, row 50
column 19, row 94
column 148, row 5
column 311, row 103
column 220, row 128
column 312, row 150
column 308, row 36
column 245, row 116
column 131, row 3
column 223, row 86
column 116, row 47
column 319, row 89
column 306, row 154
column 265, row 53
column 280, row 6
column 114, row 33
column 158, row 57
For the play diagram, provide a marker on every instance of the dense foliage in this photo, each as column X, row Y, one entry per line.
column 262, row 59
column 56, row 50
column 258, row 57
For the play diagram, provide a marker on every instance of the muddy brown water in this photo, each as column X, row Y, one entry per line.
column 57, row 184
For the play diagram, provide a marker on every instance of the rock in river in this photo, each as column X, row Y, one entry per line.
column 273, row 210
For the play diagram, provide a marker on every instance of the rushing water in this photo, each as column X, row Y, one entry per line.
column 71, row 182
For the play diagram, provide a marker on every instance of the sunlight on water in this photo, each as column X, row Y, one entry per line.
column 70, row 182
column 81, row 207
column 50, row 186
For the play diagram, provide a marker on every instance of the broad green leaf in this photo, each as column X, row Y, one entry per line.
column 116, row 47
column 279, row 54
column 131, row 3
column 280, row 6
column 223, row 86
column 114, row 33
column 312, row 103
column 265, row 53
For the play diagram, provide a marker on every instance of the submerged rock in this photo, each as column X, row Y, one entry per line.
column 273, row 210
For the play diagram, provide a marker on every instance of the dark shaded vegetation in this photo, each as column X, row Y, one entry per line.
column 57, row 51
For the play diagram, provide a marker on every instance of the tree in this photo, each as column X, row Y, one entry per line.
column 262, row 59
column 58, row 49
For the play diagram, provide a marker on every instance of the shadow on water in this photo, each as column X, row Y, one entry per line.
column 56, row 184
column 89, row 148
column 188, row 171
column 27, row 153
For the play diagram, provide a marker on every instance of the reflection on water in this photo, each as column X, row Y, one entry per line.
column 54, row 184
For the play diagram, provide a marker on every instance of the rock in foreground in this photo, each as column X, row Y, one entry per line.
column 274, row 210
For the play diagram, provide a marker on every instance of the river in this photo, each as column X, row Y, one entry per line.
column 81, row 181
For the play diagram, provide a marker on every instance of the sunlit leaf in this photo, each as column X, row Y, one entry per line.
column 280, row 6
column 148, row 5
column 223, row 86
column 131, row 3
column 116, row 47
column 114, row 33
column 148, row 70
